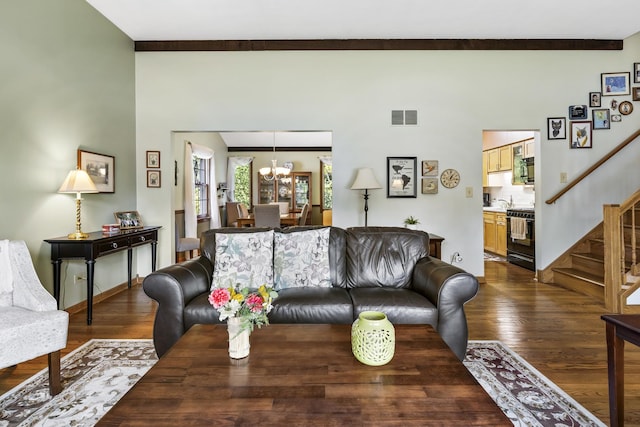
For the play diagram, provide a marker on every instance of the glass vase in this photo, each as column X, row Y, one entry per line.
column 238, row 339
column 373, row 338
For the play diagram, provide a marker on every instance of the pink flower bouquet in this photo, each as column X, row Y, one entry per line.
column 251, row 307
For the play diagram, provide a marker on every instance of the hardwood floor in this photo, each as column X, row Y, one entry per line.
column 557, row 331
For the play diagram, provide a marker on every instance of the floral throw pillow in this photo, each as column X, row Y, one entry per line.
column 301, row 259
column 244, row 260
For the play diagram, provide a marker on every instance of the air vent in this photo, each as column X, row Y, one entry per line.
column 404, row 117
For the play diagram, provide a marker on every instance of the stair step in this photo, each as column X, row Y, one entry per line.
column 580, row 281
column 588, row 262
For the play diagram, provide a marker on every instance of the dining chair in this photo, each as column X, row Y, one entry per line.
column 304, row 214
column 232, row 214
column 267, row 215
column 243, row 212
column 30, row 323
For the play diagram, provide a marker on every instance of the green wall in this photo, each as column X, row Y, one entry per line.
column 67, row 82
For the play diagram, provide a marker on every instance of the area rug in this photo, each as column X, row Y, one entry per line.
column 96, row 375
column 526, row 396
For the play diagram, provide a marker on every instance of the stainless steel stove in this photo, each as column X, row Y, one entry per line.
column 521, row 237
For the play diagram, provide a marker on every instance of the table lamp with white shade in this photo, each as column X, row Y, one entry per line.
column 78, row 181
column 365, row 180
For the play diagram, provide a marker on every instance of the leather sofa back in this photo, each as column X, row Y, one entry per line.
column 377, row 257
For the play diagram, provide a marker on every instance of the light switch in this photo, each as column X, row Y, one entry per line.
column 563, row 177
column 469, row 192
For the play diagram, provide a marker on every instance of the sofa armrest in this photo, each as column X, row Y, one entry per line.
column 173, row 287
column 448, row 288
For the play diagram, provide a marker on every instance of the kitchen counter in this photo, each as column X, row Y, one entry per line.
column 494, row 209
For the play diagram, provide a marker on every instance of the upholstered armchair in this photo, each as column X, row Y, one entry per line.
column 30, row 323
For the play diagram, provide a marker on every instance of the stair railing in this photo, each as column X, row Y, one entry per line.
column 599, row 163
column 620, row 270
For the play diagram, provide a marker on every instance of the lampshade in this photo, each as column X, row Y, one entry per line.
column 365, row 180
column 78, row 181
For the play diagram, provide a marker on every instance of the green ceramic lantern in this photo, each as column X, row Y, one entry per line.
column 373, row 338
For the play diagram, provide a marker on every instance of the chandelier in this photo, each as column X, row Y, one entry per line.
column 274, row 171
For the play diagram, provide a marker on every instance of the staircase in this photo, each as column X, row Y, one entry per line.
column 581, row 268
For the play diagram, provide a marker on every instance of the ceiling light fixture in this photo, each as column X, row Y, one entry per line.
column 274, row 171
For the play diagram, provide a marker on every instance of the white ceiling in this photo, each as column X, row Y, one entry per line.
column 371, row 19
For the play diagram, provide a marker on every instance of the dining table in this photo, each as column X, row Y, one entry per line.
column 286, row 220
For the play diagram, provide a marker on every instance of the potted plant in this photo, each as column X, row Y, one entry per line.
column 411, row 222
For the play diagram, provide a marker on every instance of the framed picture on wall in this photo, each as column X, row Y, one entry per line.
column 429, row 168
column 615, row 84
column 153, row 179
column 594, row 99
column 153, row 159
column 101, row 169
column 636, row 72
column 557, row 128
column 601, row 118
column 581, row 134
column 578, row 112
column 401, row 177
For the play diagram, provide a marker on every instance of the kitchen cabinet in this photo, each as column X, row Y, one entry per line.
column 501, row 233
column 499, row 159
column 485, row 160
column 295, row 189
column 495, row 232
column 489, row 221
column 529, row 149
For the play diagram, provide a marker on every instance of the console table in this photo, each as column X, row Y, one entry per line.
column 96, row 245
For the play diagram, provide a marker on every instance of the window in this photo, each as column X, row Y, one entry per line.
column 326, row 185
column 201, row 192
column 242, row 184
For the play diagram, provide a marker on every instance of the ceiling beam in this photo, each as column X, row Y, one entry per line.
column 377, row 44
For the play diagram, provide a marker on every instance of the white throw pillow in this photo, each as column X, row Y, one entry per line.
column 301, row 259
column 243, row 260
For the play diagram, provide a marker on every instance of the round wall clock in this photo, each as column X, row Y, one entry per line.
column 450, row 178
column 625, row 108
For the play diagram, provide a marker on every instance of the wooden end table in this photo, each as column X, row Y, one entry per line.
column 306, row 375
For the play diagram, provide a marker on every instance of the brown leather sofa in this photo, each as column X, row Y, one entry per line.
column 385, row 269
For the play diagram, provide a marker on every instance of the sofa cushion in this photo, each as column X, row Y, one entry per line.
column 243, row 258
column 312, row 305
column 402, row 306
column 301, row 259
column 200, row 311
column 383, row 256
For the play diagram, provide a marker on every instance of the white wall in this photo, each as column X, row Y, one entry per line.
column 457, row 94
column 67, row 82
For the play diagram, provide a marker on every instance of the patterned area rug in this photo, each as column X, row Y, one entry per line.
column 94, row 377
column 98, row 374
column 526, row 396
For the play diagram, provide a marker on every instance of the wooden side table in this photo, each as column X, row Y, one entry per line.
column 95, row 246
column 620, row 328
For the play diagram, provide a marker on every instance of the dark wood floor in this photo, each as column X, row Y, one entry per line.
column 558, row 331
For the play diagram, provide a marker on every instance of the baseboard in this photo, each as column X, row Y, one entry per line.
column 82, row 305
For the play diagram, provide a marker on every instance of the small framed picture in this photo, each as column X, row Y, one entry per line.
column 616, row 117
column 153, row 159
column 581, row 134
column 101, row 169
column 401, row 177
column 430, row 186
column 578, row 112
column 128, row 219
column 594, row 99
column 601, row 118
column 429, row 168
column 557, row 128
column 636, row 93
column 615, row 84
column 153, row 179
column 636, row 72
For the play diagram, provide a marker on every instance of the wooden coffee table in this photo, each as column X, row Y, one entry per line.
column 301, row 375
